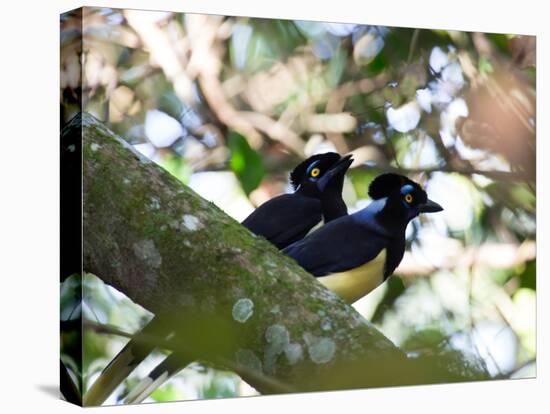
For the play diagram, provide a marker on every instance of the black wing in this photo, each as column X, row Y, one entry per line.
column 340, row 245
column 285, row 219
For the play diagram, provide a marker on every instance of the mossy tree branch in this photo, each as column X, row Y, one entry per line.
column 231, row 294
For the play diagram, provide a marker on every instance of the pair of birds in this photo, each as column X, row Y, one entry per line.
column 349, row 254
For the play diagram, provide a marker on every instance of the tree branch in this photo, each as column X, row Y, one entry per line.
column 230, row 298
column 495, row 175
column 267, row 383
column 232, row 295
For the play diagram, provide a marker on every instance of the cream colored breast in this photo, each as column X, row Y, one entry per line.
column 353, row 284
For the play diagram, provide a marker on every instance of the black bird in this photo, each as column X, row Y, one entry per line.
column 317, row 197
column 356, row 253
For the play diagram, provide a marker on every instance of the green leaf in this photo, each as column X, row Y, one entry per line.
column 270, row 41
column 176, row 166
column 170, row 103
column 377, row 65
column 528, row 278
column 335, row 68
column 499, row 40
column 167, row 393
column 485, row 66
column 245, row 162
column 361, row 178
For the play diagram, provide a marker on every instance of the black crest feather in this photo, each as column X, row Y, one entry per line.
column 386, row 184
column 298, row 173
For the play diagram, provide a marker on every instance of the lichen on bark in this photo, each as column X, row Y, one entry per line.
column 169, row 250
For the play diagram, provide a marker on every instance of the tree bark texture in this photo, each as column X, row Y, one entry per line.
column 231, row 295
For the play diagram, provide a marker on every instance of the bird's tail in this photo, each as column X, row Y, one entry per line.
column 122, row 365
column 173, row 364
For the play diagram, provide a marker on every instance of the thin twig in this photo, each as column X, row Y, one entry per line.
column 267, row 383
column 496, row 175
column 412, row 46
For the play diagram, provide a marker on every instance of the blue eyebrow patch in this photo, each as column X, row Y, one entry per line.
column 407, row 188
column 313, row 164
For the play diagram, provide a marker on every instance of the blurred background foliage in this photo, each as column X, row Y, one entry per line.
column 229, row 105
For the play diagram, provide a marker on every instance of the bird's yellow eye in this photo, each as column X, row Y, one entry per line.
column 409, row 198
column 315, row 172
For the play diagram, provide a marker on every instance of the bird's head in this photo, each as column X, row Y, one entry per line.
column 404, row 197
column 321, row 172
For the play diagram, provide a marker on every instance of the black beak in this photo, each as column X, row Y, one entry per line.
column 338, row 169
column 430, row 207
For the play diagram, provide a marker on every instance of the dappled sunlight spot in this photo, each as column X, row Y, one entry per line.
column 324, row 47
column 146, row 149
column 240, row 38
column 494, row 162
column 421, row 153
column 340, row 29
column 309, row 28
column 405, row 118
column 525, row 321
column 417, row 307
column 493, row 341
column 161, row 129
column 367, row 48
column 452, row 112
column 469, row 153
column 424, row 99
column 317, row 144
column 438, row 59
column 223, row 189
column 450, row 83
column 447, row 138
column 457, row 196
column 449, row 77
column 324, row 37
column 453, row 292
column 434, row 249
